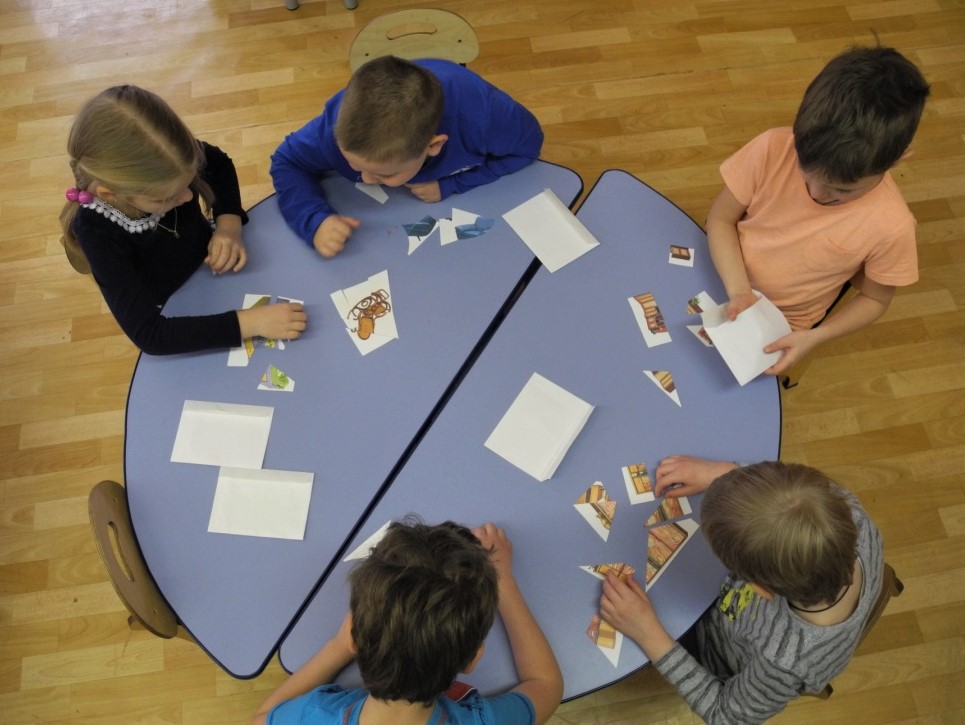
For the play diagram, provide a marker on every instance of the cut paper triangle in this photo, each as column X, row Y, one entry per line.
column 606, row 638
column 597, row 508
column 664, row 380
column 365, row 548
column 669, row 509
column 639, row 486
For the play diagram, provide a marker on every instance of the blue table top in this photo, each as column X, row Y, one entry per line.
column 575, row 327
column 351, row 418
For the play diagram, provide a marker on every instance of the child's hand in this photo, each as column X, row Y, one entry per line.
column 426, row 191
column 495, row 540
column 226, row 250
column 626, row 606
column 332, row 233
column 687, row 475
column 280, row 321
column 796, row 346
column 738, row 303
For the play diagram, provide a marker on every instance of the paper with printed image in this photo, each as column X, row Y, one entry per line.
column 649, row 319
column 639, row 486
column 368, row 311
column 664, row 542
column 597, row 508
column 606, row 638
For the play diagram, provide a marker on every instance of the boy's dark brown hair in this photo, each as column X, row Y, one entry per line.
column 422, row 604
column 859, row 114
column 390, row 111
column 784, row 526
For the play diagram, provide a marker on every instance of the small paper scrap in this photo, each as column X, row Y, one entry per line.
column 621, row 570
column 275, row 379
column 374, row 191
column 419, row 231
column 664, row 380
column 681, row 256
column 649, row 319
column 700, row 302
column 701, row 334
column 669, row 509
column 639, row 486
column 606, row 638
column 597, row 508
column 664, row 543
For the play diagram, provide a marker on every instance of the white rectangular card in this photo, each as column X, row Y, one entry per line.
column 741, row 342
column 222, row 434
column 550, row 230
column 271, row 504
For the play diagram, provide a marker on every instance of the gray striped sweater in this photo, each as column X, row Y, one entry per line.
column 757, row 655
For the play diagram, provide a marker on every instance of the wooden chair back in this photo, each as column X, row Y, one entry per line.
column 111, row 523
column 417, row 33
column 891, row 586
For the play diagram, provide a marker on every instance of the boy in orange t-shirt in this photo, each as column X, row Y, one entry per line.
column 808, row 209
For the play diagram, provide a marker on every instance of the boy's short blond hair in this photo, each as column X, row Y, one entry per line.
column 390, row 111
column 783, row 526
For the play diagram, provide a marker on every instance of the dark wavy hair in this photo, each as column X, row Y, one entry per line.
column 422, row 604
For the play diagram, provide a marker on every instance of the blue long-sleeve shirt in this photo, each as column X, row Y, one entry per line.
column 490, row 135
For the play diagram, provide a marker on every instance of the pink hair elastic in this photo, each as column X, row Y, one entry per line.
column 81, row 196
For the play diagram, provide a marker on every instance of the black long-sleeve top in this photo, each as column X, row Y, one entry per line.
column 137, row 272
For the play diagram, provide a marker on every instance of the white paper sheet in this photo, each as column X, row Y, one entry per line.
column 539, row 427
column 741, row 342
column 373, row 190
column 272, row 504
column 384, row 329
column 222, row 434
column 550, row 230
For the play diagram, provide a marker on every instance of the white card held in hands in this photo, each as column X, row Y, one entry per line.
column 741, row 342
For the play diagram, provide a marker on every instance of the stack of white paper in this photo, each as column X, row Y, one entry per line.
column 222, row 434
column 272, row 504
column 539, row 427
column 741, row 342
column 550, row 230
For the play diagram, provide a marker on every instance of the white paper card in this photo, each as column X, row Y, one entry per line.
column 373, row 190
column 222, row 434
column 741, row 342
column 550, row 230
column 539, row 427
column 272, row 504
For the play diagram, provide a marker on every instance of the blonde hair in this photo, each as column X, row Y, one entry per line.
column 784, row 526
column 131, row 141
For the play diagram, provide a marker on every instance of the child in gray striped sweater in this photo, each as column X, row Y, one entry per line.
column 805, row 565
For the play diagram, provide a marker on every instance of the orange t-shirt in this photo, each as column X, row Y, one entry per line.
column 799, row 253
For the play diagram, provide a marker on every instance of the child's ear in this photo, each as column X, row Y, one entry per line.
column 436, row 143
column 475, row 660
column 102, row 192
column 909, row 152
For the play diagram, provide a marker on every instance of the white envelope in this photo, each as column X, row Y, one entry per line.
column 272, row 504
column 539, row 427
column 222, row 434
column 550, row 230
column 741, row 342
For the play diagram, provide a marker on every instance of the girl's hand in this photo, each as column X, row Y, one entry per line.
column 226, row 250
column 280, row 321
column 687, row 476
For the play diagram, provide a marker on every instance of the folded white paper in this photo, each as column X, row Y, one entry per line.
column 222, row 434
column 741, row 342
column 550, row 230
column 539, row 427
column 272, row 504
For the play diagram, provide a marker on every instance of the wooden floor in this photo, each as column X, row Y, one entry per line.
column 665, row 89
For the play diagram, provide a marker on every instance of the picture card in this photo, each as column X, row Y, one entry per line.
column 222, row 434
column 741, row 342
column 664, row 543
column 463, row 225
column 367, row 309
column 606, row 638
column 681, row 256
column 669, row 509
column 539, row 427
column 597, row 508
column 374, row 191
column 700, row 302
column 649, row 319
column 418, row 232
column 621, row 571
column 664, row 380
column 275, row 379
column 639, row 486
column 550, row 230
column 701, row 334
column 266, row 503
column 365, row 548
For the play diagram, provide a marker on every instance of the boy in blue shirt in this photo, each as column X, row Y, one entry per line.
column 430, row 125
column 421, row 606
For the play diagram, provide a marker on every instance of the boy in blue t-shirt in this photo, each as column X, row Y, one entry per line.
column 421, row 606
column 430, row 125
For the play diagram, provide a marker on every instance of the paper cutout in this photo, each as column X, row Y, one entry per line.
column 463, row 225
column 597, row 508
column 550, row 230
column 700, row 302
column 365, row 548
column 741, row 342
column 649, row 319
column 681, row 256
column 374, row 191
column 539, row 427
column 701, row 334
column 620, row 570
column 664, row 542
column 419, row 231
column 222, row 434
column 606, row 638
column 664, row 380
column 271, row 504
column 669, row 508
column 275, row 379
column 239, row 356
column 639, row 486
column 368, row 312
